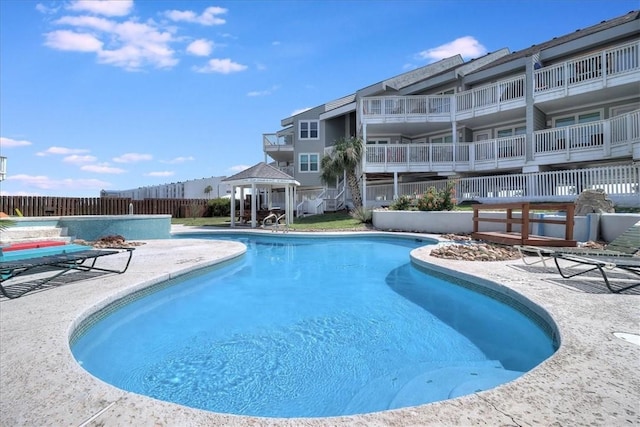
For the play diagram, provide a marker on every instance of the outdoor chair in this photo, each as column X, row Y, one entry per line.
column 55, row 266
column 600, row 263
column 624, row 246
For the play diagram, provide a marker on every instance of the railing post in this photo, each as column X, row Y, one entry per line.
column 568, row 235
column 524, row 232
column 606, row 137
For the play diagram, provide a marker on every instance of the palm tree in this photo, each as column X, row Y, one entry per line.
column 344, row 160
column 207, row 190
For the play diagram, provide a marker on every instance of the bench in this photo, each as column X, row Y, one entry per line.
column 523, row 237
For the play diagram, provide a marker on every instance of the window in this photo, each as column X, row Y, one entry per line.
column 375, row 141
column 482, row 136
column 308, row 129
column 441, row 139
column 519, row 130
column 623, row 109
column 308, row 162
column 578, row 118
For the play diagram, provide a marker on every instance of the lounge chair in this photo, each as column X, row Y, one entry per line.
column 625, row 245
column 600, row 263
column 84, row 260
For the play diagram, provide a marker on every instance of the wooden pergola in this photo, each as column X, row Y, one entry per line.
column 258, row 178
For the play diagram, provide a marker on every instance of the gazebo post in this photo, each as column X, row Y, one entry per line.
column 233, row 205
column 254, row 211
column 287, row 204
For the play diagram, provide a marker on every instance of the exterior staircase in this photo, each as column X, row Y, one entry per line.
column 32, row 234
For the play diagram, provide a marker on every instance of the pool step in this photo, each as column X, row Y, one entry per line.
column 429, row 382
column 16, row 234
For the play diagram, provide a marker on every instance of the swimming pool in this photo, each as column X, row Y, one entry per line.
column 312, row 327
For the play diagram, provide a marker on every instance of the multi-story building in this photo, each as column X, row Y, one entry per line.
column 542, row 123
column 204, row 188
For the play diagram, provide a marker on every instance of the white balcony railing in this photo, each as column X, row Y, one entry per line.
column 596, row 140
column 407, row 106
column 505, row 94
column 439, row 107
column 491, row 95
column 624, row 59
column 620, row 182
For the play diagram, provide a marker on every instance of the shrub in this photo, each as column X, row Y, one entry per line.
column 432, row 200
column 219, row 207
column 402, row 203
column 361, row 214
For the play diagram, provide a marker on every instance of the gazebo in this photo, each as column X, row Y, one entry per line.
column 261, row 177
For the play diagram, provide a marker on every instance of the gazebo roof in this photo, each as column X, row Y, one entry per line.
column 261, row 173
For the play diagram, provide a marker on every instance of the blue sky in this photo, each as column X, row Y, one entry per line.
column 122, row 94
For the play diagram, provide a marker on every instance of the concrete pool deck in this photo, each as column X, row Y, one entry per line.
column 593, row 379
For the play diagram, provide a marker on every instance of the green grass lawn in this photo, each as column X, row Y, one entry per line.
column 325, row 222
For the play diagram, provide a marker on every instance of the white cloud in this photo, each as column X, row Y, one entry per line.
column 62, row 151
column 10, row 143
column 468, row 47
column 160, row 173
column 222, row 66
column 263, row 92
column 91, row 22
column 46, row 9
column 178, row 160
column 129, row 44
column 102, row 7
column 200, row 47
column 76, row 159
column 46, row 183
column 70, row 40
column 102, row 168
column 19, row 193
column 301, row 110
column 138, row 45
column 208, row 17
column 132, row 158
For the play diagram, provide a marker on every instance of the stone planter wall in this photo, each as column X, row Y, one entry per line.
column 604, row 227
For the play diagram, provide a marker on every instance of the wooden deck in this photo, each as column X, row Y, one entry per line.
column 510, row 237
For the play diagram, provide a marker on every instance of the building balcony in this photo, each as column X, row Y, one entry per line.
column 278, row 146
column 612, row 67
column 616, row 138
column 616, row 69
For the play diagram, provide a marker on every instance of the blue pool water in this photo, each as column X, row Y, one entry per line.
column 312, row 327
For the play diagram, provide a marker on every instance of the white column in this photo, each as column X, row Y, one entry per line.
column 364, row 165
column 395, row 185
column 287, row 205
column 232, row 200
column 254, row 202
